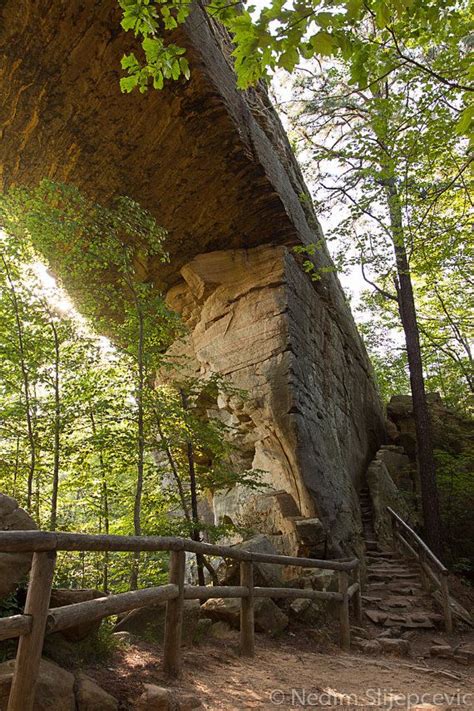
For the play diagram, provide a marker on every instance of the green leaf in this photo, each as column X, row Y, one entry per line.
column 128, row 84
column 382, row 15
column 129, row 61
column 184, row 64
column 322, row 43
column 464, row 124
column 129, row 22
column 158, row 80
column 289, row 59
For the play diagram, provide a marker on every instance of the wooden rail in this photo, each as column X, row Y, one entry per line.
column 38, row 620
column 432, row 569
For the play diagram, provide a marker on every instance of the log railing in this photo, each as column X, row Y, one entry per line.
column 38, row 620
column 432, row 569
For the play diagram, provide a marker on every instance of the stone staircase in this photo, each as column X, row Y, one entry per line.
column 394, row 597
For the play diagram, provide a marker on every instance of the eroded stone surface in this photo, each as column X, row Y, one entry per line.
column 383, row 493
column 309, row 419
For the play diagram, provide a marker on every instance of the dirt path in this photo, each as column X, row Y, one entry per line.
column 289, row 674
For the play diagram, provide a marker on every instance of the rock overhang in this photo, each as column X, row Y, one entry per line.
column 198, row 154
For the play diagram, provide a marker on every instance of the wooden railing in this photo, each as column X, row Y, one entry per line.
column 39, row 620
column 432, row 569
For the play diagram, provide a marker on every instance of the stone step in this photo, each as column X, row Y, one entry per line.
column 412, row 620
column 385, row 554
column 374, row 599
column 398, row 602
column 392, row 566
column 394, row 575
column 413, row 589
column 386, row 560
column 386, row 587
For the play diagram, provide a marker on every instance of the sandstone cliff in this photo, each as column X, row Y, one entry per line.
column 215, row 168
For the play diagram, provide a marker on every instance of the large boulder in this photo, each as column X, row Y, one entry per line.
column 13, row 566
column 268, row 616
column 265, row 574
column 91, row 697
column 316, row 579
column 149, row 622
column 54, row 689
column 63, row 596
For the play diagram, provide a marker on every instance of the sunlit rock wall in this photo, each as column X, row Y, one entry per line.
column 310, row 415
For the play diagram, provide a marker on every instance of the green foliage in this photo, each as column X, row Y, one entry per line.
column 456, row 487
column 161, row 61
column 398, row 138
column 88, row 440
column 373, row 39
column 310, row 263
column 187, row 422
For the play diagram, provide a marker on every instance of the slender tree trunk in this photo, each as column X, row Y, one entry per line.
column 182, row 497
column 26, row 384
column 137, row 508
column 407, row 308
column 174, row 470
column 104, row 504
column 195, row 534
column 57, row 431
column 17, row 462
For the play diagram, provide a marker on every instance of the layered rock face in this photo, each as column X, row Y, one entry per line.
column 310, row 415
column 215, row 168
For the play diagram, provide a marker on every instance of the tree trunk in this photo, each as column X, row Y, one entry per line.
column 137, row 508
column 407, row 308
column 104, row 505
column 203, row 562
column 57, row 430
column 195, row 535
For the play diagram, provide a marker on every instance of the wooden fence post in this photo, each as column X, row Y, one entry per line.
column 174, row 616
column 448, row 617
column 30, row 646
column 247, row 621
column 345, row 626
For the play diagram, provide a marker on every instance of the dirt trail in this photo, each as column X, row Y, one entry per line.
column 216, row 674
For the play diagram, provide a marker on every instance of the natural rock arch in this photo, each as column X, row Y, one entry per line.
column 215, row 168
